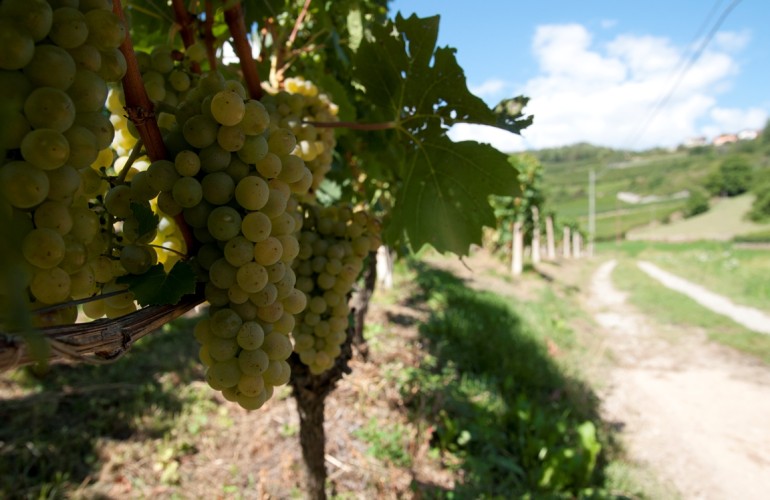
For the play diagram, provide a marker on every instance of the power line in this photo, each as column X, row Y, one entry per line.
column 694, row 56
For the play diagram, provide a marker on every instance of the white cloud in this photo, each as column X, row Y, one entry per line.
column 489, row 88
column 605, row 94
column 608, row 23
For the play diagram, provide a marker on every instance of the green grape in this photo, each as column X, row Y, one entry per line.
column 14, row 87
column 255, row 119
column 85, row 224
column 15, row 127
column 218, row 188
column 295, row 302
column 162, row 175
column 123, row 298
column 251, row 386
column 198, row 216
column 141, row 190
column 69, row 28
column 252, row 192
column 87, row 57
column 53, row 215
column 16, row 47
column 82, row 145
column 88, row 91
column 215, row 296
column 227, row 107
column 237, row 169
column 83, row 284
column 51, row 66
column 253, row 361
column 269, row 167
column 187, row 192
column 268, row 251
column 231, row 138
column 225, row 323
column 200, row 131
column 99, row 125
column 179, row 80
column 105, row 30
column 222, row 274
column 277, row 346
column 63, row 182
column 161, row 59
column 251, row 277
column 48, row 107
column 214, row 158
column 276, row 203
column 281, row 142
column 253, row 149
column 46, row 149
column 118, row 201
column 168, row 205
column 196, row 52
column 137, row 259
column 239, row 251
column 256, row 226
column 265, row 297
column 23, row 185
column 223, row 374
column 113, row 65
column 187, row 163
column 292, row 169
column 34, row 16
column 51, row 286
column 43, row 248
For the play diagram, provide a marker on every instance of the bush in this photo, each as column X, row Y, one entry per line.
column 760, row 209
column 697, row 203
column 732, row 178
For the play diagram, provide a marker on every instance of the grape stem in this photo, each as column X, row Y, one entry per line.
column 354, row 125
column 184, row 256
column 138, row 105
column 297, row 24
column 208, row 35
column 185, row 21
column 235, row 21
column 136, row 152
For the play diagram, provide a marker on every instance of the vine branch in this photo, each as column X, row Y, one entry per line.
column 297, row 24
column 237, row 25
column 208, row 35
column 185, row 20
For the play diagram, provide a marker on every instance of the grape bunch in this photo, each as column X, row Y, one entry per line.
column 56, row 59
column 334, row 242
column 302, row 102
column 233, row 179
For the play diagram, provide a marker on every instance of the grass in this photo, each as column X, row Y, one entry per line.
column 51, row 432
column 670, row 307
column 511, row 417
column 723, row 221
column 740, row 273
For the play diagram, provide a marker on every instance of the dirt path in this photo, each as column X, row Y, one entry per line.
column 749, row 317
column 696, row 413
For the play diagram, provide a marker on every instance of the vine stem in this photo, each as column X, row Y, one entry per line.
column 208, row 35
column 297, row 24
column 185, row 21
column 138, row 105
column 354, row 125
column 235, row 21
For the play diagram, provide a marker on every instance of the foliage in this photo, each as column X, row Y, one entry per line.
column 387, row 442
column 697, row 203
column 732, row 178
column 496, row 401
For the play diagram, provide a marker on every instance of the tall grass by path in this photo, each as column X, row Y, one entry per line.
column 673, row 308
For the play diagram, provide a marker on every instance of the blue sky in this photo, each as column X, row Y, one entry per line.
column 594, row 70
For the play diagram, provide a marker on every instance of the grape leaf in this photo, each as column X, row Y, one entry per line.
column 155, row 287
column 148, row 220
column 403, row 71
column 443, row 200
column 509, row 115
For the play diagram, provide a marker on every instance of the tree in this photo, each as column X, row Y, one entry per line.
column 222, row 180
column 732, row 178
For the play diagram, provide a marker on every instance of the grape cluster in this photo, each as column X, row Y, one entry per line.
column 299, row 103
column 333, row 245
column 233, row 180
column 56, row 59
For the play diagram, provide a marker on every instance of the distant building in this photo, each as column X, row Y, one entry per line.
column 694, row 142
column 723, row 139
column 748, row 135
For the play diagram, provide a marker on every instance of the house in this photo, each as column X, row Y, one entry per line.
column 723, row 139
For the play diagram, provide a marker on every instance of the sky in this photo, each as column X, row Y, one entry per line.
column 596, row 70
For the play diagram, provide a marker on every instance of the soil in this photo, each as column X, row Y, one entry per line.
column 695, row 412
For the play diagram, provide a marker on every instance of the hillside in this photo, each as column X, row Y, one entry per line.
column 653, row 182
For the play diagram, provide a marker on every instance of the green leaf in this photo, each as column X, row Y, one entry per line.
column 155, row 287
column 444, row 200
column 403, row 71
column 148, row 220
column 510, row 116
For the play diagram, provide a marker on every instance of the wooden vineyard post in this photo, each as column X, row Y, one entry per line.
column 550, row 241
column 576, row 244
column 566, row 242
column 517, row 250
column 535, row 235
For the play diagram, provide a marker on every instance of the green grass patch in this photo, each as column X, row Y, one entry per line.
column 496, row 402
column 387, row 442
column 50, row 435
column 670, row 307
column 740, row 273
